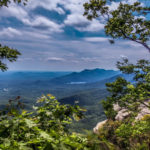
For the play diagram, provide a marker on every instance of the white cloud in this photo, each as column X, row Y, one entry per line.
column 79, row 22
column 51, row 5
column 35, row 39
column 33, row 35
column 23, row 15
column 43, row 23
column 55, row 59
column 130, row 1
column 123, row 56
column 114, row 5
column 34, row 28
column 10, row 32
column 90, row 59
column 74, row 6
column 75, row 18
column 96, row 39
column 55, row 54
column 92, row 27
column 14, row 10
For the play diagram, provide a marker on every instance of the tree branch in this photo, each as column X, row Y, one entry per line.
column 129, row 38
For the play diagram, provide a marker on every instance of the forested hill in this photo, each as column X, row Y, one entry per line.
column 30, row 75
column 85, row 76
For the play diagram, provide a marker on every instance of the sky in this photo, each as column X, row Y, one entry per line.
column 53, row 35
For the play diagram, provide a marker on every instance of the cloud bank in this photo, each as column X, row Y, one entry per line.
column 54, row 35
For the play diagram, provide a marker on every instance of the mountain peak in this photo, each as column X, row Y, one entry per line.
column 86, row 76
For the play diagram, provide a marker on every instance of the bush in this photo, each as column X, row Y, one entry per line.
column 45, row 128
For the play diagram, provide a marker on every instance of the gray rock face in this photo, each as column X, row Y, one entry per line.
column 143, row 110
column 98, row 126
column 123, row 113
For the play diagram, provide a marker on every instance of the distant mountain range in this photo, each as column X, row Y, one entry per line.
column 93, row 92
column 85, row 76
column 30, row 75
column 101, row 83
column 87, row 87
column 61, row 84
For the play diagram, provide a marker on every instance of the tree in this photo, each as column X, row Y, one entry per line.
column 7, row 53
column 131, row 22
column 127, row 21
column 129, row 95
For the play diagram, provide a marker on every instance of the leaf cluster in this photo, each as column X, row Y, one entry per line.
column 43, row 129
column 9, row 54
column 7, row 2
column 127, row 21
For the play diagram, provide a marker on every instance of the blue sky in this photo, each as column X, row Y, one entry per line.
column 54, row 35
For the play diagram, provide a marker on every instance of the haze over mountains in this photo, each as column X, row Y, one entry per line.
column 85, row 76
column 87, row 87
column 30, row 85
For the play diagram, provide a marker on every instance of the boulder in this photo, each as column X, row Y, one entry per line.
column 124, row 113
column 98, row 126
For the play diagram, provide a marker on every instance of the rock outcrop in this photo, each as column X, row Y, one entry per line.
column 124, row 113
column 98, row 126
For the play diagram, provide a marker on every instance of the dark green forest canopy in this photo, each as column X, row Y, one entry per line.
column 127, row 21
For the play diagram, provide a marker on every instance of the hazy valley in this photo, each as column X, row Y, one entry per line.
column 87, row 87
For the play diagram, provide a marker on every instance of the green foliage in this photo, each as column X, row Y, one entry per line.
column 126, row 135
column 43, row 129
column 5, row 52
column 7, row 2
column 9, row 54
column 128, row 21
column 126, row 94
